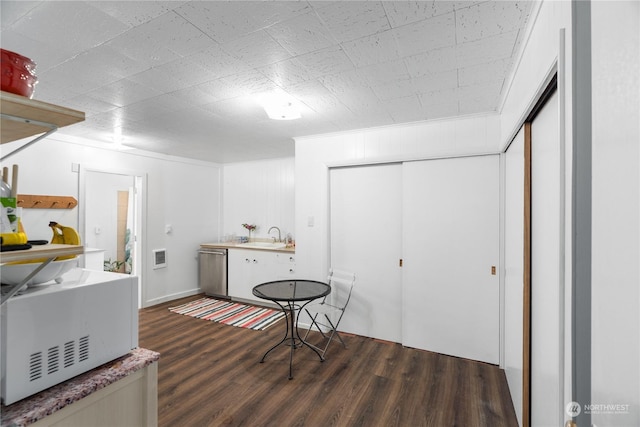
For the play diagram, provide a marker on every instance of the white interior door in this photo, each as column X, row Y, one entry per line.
column 451, row 241
column 366, row 238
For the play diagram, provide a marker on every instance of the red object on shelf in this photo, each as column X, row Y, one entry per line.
column 18, row 73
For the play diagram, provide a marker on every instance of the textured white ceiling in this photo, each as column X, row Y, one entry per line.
column 184, row 77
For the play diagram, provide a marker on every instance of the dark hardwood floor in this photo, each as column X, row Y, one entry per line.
column 209, row 375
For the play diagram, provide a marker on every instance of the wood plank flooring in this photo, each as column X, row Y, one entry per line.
column 209, row 375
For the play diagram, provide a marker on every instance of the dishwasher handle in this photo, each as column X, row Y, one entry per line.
column 222, row 252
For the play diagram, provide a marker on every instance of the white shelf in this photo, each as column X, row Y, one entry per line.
column 41, row 251
column 24, row 117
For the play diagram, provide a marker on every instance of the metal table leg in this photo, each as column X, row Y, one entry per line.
column 292, row 335
column 286, row 334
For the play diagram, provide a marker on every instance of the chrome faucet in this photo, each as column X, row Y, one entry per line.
column 279, row 236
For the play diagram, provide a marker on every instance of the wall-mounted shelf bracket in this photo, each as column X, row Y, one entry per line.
column 28, row 122
column 22, row 117
column 14, row 289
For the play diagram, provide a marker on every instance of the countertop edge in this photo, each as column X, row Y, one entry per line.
column 40, row 405
column 234, row 246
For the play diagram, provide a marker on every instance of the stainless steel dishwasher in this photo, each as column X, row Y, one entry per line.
column 212, row 271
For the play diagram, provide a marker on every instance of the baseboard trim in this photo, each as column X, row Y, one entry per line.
column 171, row 297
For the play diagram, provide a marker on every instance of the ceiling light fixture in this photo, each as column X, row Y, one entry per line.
column 117, row 139
column 279, row 108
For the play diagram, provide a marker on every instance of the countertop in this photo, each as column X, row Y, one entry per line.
column 230, row 245
column 40, row 405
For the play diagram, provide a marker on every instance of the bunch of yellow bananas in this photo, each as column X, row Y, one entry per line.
column 64, row 235
column 61, row 235
column 19, row 238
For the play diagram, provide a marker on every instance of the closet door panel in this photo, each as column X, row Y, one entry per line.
column 450, row 244
column 366, row 233
column 547, row 286
column 514, row 242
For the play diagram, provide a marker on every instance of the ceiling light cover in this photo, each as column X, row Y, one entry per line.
column 282, row 111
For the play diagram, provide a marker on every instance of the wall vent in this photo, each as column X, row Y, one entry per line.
column 159, row 258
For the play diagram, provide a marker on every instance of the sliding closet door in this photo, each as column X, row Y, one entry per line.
column 514, row 267
column 366, row 233
column 451, row 243
column 546, row 267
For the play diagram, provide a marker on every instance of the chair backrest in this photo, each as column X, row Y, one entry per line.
column 341, row 283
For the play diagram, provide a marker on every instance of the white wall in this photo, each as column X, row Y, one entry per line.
column 616, row 212
column 260, row 193
column 181, row 192
column 315, row 154
column 538, row 61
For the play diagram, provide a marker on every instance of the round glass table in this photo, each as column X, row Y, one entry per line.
column 292, row 296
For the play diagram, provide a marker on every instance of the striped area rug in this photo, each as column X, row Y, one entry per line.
column 230, row 313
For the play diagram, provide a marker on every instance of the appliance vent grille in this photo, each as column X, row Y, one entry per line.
column 35, row 366
column 69, row 353
column 84, row 349
column 53, row 360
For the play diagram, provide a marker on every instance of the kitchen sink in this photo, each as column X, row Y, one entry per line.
column 262, row 245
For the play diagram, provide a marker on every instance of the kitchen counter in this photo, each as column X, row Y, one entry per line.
column 230, row 245
column 61, row 397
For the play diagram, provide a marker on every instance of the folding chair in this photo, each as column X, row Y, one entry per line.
column 323, row 314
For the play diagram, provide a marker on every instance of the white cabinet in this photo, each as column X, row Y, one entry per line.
column 94, row 259
column 133, row 401
column 249, row 267
column 285, row 266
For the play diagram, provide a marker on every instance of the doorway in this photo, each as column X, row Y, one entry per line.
column 111, row 219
